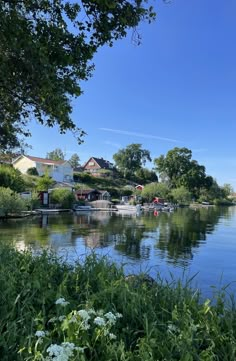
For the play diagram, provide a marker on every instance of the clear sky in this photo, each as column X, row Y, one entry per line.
column 178, row 88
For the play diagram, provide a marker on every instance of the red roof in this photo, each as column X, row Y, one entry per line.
column 44, row 160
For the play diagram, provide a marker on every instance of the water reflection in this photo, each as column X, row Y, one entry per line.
column 185, row 231
column 174, row 237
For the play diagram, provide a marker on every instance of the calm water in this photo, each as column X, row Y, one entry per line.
column 185, row 242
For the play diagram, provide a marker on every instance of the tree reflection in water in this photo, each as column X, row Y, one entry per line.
column 169, row 236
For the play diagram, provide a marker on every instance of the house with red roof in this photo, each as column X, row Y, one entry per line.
column 98, row 166
column 59, row 170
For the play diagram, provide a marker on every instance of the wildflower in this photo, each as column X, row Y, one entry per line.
column 118, row 315
column 61, row 318
column 171, row 328
column 61, row 301
column 99, row 321
column 91, row 311
column 112, row 336
column 111, row 318
column 84, row 315
column 85, row 326
column 40, row 333
column 61, row 352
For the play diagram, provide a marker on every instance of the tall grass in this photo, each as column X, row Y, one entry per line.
column 159, row 321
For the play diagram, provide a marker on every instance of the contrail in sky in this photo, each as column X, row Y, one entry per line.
column 116, row 145
column 142, row 135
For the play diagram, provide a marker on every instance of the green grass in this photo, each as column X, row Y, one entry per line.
column 160, row 321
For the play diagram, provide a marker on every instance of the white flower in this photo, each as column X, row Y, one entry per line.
column 40, row 333
column 84, row 315
column 91, row 311
column 99, row 321
column 118, row 315
column 61, row 352
column 112, row 336
column 55, row 350
column 85, row 325
column 171, row 328
column 61, row 301
column 61, row 318
column 111, row 317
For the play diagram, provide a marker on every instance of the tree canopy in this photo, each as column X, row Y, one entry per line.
column 178, row 169
column 131, row 158
column 74, row 160
column 46, row 50
column 56, row 154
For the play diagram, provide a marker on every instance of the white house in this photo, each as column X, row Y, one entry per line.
column 59, row 170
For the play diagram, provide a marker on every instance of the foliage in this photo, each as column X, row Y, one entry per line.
column 74, row 160
column 227, row 190
column 48, row 53
column 10, row 202
column 12, row 178
column 32, row 171
column 33, row 202
column 181, row 195
column 155, row 190
column 177, row 169
column 131, row 158
column 44, row 183
column 64, row 197
column 144, row 176
column 45, row 301
column 56, row 154
column 93, row 327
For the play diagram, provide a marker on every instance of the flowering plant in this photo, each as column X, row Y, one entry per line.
column 73, row 335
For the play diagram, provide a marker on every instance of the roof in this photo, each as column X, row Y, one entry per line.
column 7, row 158
column 43, row 160
column 86, row 191
column 104, row 164
column 139, row 186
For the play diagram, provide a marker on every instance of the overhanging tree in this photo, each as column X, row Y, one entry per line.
column 46, row 49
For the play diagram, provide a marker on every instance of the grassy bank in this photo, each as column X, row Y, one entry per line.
column 50, row 310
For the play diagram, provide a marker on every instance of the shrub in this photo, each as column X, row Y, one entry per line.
column 10, row 202
column 64, row 197
column 181, row 195
column 44, row 183
column 33, row 202
column 32, row 171
column 11, row 178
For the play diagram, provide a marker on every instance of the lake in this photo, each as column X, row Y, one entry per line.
column 180, row 244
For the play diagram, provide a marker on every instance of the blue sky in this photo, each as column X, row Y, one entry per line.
column 178, row 88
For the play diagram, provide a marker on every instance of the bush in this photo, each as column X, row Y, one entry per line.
column 64, row 197
column 85, row 178
column 11, row 178
column 181, row 195
column 32, row 171
column 10, row 202
column 33, row 202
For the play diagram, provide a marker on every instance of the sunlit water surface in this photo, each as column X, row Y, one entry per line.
column 181, row 244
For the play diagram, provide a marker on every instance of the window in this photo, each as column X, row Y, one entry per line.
column 91, row 164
